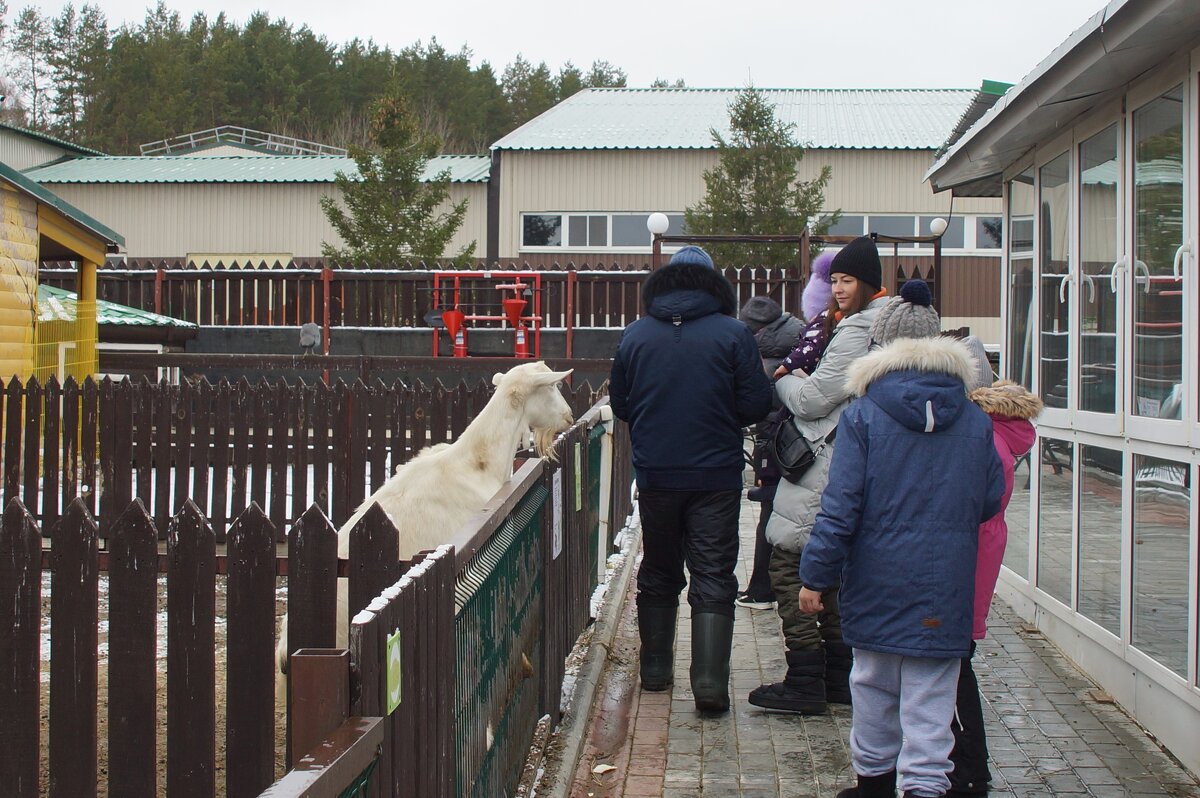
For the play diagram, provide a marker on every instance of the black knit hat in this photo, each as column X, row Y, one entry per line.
column 859, row 258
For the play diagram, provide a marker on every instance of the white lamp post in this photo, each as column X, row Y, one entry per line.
column 657, row 223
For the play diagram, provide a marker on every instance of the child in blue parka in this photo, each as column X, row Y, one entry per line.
column 914, row 474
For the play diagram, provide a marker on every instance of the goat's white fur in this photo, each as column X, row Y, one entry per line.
column 432, row 495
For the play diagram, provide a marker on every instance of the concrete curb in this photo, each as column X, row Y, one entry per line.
column 572, row 731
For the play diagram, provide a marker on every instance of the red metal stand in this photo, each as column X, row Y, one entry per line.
column 516, row 307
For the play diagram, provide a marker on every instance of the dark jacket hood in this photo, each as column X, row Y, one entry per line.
column 688, row 291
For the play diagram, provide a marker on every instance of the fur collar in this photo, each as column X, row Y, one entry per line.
column 689, row 276
column 944, row 355
column 1007, row 399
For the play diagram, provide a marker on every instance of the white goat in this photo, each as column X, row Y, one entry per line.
column 432, row 495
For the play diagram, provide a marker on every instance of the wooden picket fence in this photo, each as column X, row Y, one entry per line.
column 282, row 446
column 502, row 602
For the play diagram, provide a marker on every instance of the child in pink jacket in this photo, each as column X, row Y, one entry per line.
column 1012, row 409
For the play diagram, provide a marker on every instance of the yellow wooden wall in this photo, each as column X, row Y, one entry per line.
column 18, row 282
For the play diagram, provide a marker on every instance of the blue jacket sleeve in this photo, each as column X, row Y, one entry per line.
column 994, row 498
column 618, row 389
column 751, row 386
column 841, row 512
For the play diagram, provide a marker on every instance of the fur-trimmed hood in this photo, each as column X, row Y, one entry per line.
column 919, row 382
column 1006, row 399
column 689, row 291
column 932, row 355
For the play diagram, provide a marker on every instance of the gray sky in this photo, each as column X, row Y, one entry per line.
column 771, row 43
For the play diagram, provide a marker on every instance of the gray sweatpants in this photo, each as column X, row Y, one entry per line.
column 902, row 712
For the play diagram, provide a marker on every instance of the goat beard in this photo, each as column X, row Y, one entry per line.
column 543, row 443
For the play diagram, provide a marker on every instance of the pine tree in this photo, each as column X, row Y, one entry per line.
column 29, row 43
column 390, row 213
column 754, row 189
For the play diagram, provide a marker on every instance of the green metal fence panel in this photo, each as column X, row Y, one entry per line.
column 498, row 629
column 596, row 554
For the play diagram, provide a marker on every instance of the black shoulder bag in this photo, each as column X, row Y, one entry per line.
column 788, row 449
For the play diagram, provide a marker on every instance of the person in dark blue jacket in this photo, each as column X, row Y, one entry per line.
column 914, row 474
column 687, row 377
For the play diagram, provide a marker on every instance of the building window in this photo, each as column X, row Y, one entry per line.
column 541, row 230
column 1054, row 239
column 847, row 225
column 1099, row 510
column 892, row 226
column 1161, row 500
column 953, row 238
column 1020, row 279
column 1054, row 519
column 988, row 232
column 591, row 231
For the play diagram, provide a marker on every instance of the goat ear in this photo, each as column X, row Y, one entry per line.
column 551, row 377
column 497, row 377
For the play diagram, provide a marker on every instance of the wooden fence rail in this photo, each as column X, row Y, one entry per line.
column 387, row 297
column 283, row 446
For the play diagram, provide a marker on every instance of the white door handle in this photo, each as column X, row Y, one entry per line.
column 1091, row 284
column 1177, row 265
column 1117, row 269
column 1062, row 288
column 1141, row 268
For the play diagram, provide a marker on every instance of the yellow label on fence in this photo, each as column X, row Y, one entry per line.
column 578, row 477
column 393, row 671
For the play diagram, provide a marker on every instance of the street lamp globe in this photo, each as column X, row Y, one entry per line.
column 937, row 225
column 657, row 223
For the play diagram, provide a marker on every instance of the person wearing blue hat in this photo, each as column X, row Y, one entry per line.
column 687, row 378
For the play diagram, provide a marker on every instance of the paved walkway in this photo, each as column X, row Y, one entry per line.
column 1050, row 730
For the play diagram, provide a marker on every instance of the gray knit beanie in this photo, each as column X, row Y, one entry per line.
column 910, row 315
column 982, row 375
column 759, row 311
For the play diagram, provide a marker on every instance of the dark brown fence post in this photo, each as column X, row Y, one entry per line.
column 20, row 688
column 13, row 404
column 74, row 607
column 250, row 656
column 191, row 677
column 132, row 641
column 51, row 448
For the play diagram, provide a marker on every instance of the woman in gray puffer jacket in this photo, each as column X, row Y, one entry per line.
column 818, row 661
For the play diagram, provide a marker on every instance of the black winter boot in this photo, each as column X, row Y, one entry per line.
column 656, row 627
column 970, row 775
column 883, row 786
column 839, row 658
column 712, row 640
column 802, row 690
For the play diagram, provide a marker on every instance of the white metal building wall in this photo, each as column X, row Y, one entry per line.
column 22, row 152
column 864, row 181
column 171, row 220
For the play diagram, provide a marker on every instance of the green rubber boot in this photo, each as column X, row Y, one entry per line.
column 712, row 640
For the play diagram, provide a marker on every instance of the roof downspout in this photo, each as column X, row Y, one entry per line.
column 493, row 210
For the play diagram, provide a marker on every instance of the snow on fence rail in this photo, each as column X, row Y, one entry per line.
column 505, row 604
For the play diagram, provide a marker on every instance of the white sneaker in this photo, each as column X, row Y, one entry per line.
column 744, row 600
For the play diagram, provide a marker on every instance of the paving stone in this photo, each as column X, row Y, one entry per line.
column 1047, row 737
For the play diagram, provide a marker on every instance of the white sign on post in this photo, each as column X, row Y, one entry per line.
column 393, row 671
column 556, row 542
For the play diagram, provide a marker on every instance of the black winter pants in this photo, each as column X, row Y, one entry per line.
column 699, row 528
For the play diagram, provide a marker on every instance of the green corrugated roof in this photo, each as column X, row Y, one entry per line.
column 615, row 119
column 23, row 183
column 46, row 137
column 57, row 304
column 237, row 169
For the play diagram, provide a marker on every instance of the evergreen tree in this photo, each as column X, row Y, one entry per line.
column 604, row 75
column 30, row 42
column 569, row 81
column 390, row 214
column 529, row 90
column 663, row 83
column 754, row 189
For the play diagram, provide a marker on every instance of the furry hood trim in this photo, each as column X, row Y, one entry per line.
column 936, row 355
column 689, row 277
column 1007, row 399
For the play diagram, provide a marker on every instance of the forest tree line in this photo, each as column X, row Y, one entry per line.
column 74, row 76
